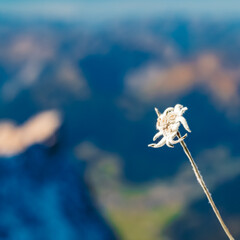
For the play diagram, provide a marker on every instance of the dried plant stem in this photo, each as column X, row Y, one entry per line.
column 204, row 187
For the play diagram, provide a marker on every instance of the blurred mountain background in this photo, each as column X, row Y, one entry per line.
column 83, row 170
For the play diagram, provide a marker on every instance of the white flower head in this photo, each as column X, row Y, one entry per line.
column 168, row 124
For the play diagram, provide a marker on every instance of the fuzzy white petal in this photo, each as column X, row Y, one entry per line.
column 168, row 110
column 159, row 144
column 168, row 143
column 179, row 140
column 184, row 123
column 157, row 112
column 183, row 110
column 157, row 135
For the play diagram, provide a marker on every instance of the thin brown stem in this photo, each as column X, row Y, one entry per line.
column 204, row 187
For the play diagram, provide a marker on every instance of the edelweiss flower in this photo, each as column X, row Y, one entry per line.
column 168, row 124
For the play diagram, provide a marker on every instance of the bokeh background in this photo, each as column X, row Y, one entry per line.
column 79, row 81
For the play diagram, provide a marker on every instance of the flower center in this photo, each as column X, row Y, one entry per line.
column 165, row 122
column 171, row 117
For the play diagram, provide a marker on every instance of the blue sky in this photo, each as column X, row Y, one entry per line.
column 96, row 10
